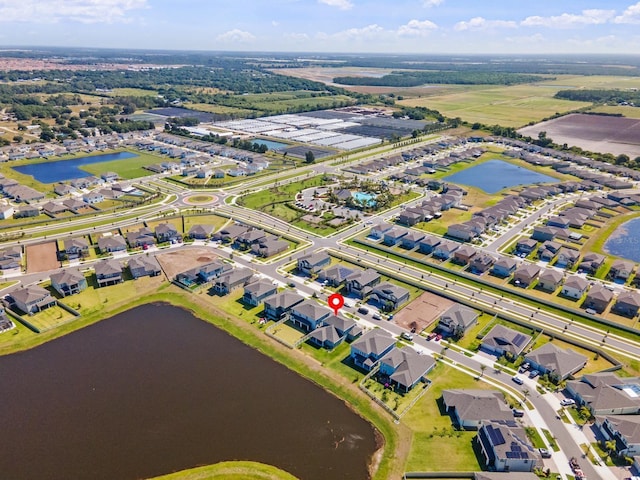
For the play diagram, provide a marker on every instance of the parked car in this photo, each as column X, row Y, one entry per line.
column 407, row 336
column 533, row 373
column 438, row 337
column 518, row 413
column 517, row 380
column 523, row 368
column 590, row 311
column 363, row 310
column 565, row 402
column 376, row 316
column 544, row 453
column 431, row 336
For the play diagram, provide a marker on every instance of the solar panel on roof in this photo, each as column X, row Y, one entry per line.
column 518, row 339
column 495, row 436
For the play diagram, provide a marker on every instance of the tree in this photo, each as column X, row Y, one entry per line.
column 610, row 446
column 622, row 159
column 483, row 367
column 309, row 157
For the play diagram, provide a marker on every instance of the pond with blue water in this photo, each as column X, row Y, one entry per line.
column 495, row 175
column 625, row 241
column 270, row 144
column 63, row 170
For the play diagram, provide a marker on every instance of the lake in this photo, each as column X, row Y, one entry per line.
column 62, row 170
column 495, row 175
column 625, row 241
column 155, row 390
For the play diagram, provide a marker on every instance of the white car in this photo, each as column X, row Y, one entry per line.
column 407, row 336
column 565, row 402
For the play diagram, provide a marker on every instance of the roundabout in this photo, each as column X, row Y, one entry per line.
column 200, row 199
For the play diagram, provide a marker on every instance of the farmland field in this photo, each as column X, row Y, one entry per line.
column 595, row 133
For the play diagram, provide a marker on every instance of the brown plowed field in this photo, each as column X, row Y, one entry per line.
column 595, row 133
column 423, row 312
column 42, row 257
column 184, row 259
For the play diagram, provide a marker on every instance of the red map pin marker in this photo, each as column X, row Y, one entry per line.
column 336, row 302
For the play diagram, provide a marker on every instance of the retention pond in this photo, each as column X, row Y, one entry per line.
column 156, row 390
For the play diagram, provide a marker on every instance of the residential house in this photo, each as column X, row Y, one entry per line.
column 108, row 272
column 445, row 249
column 335, row 275
column 457, row 320
column 334, row 330
column 470, row 407
column 63, row 189
column 167, row 232
column 405, row 367
column 248, row 238
column 598, row 298
column 27, row 211
column 566, row 257
column 255, row 293
column 10, row 259
column 308, row 315
column 312, row 264
column 370, row 348
column 393, row 236
column 52, row 208
column 525, row 274
column 624, row 430
column 557, row 362
column 76, row 248
column 503, row 340
column 378, row 231
column 558, row 221
column 74, row 205
column 627, row 303
column 6, row 211
column 111, row 244
column 230, row 233
column 389, row 296
column 621, row 269
column 361, row 282
column 32, row 299
column 548, row 250
column 504, row 267
column 279, row 305
column 68, row 282
column 526, row 246
column 412, row 239
column 93, row 197
column 607, row 394
column 464, row 254
column 143, row 266
column 143, row 237
column 428, row 243
column 505, row 447
column 591, row 262
column 269, row 246
column 550, row 279
column 229, row 281
column 201, row 232
column 109, row 177
column 544, row 233
column 575, row 287
column 481, row 263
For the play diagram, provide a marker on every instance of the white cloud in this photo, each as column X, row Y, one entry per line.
column 432, row 3
column 296, row 37
column 235, row 36
column 53, row 11
column 359, row 33
column 480, row 23
column 630, row 15
column 341, row 4
column 570, row 20
column 416, row 28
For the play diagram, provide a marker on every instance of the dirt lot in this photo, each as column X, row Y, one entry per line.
column 595, row 133
column 42, row 257
column 422, row 312
column 184, row 259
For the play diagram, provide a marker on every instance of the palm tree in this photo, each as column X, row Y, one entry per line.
column 483, row 367
column 610, row 447
column 526, row 393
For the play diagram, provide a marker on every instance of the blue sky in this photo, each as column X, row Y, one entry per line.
column 377, row 26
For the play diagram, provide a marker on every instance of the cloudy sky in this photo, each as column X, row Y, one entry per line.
column 393, row 26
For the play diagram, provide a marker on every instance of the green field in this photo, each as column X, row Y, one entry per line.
column 238, row 470
column 133, row 92
column 514, row 106
column 221, row 109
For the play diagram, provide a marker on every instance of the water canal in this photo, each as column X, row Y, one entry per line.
column 155, row 390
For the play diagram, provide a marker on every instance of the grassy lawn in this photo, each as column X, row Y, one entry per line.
column 535, row 437
column 133, row 92
column 49, row 318
column 238, row 470
column 552, row 441
column 432, row 429
column 221, row 109
column 395, row 400
column 176, row 222
column 128, row 168
column 215, row 220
